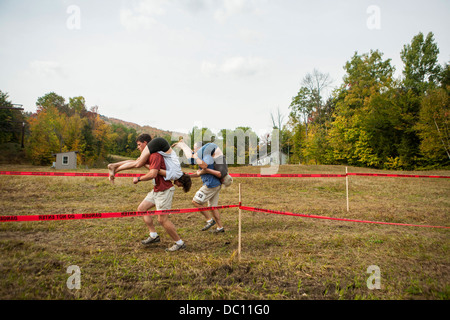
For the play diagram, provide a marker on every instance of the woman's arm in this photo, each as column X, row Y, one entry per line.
column 211, row 171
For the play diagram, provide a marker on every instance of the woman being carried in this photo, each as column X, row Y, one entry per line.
column 148, row 146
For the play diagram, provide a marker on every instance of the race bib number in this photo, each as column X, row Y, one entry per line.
column 200, row 196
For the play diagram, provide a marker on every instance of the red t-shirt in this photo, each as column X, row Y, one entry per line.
column 156, row 161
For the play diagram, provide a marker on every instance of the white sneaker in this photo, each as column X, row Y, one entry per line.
column 176, row 247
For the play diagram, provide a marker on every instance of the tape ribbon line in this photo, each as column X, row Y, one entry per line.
column 337, row 219
column 77, row 216
column 242, row 175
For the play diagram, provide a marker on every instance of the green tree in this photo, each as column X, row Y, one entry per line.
column 317, row 148
column 73, row 133
column 12, row 131
column 421, row 73
column 44, row 140
column 302, row 107
column 434, row 127
column 101, row 136
column 77, row 105
column 6, row 118
column 297, row 139
column 124, row 140
column 445, row 76
column 421, row 69
column 52, row 100
column 359, row 112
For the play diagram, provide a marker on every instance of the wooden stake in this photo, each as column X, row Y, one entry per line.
column 239, row 232
column 346, row 186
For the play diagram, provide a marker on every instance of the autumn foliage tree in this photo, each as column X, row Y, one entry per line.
column 58, row 126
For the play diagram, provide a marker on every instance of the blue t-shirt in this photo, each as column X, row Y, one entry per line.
column 211, row 181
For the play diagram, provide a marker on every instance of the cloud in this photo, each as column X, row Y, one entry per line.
column 236, row 66
column 47, row 69
column 250, row 36
column 209, row 68
column 142, row 15
column 152, row 7
column 234, row 7
column 135, row 22
column 195, row 6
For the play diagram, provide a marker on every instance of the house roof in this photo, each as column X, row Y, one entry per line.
column 54, row 154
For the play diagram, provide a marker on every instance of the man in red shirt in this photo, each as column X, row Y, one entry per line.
column 161, row 196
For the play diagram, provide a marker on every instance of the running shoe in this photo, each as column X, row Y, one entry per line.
column 176, row 247
column 150, row 240
column 209, row 225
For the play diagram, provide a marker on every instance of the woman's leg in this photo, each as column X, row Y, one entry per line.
column 183, row 146
column 128, row 164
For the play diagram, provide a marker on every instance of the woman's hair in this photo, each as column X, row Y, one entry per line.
column 186, row 181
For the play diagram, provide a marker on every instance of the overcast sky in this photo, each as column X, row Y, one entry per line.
column 173, row 64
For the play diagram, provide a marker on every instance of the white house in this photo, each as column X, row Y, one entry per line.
column 65, row 160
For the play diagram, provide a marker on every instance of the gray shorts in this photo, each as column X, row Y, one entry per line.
column 210, row 195
column 161, row 199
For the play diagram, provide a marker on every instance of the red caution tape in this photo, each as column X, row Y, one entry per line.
column 240, row 175
column 337, row 219
column 395, row 175
column 67, row 174
column 286, row 175
column 78, row 216
column 87, row 174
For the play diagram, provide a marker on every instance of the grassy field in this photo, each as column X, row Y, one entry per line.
column 283, row 257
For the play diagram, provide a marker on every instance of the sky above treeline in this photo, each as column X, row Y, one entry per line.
column 176, row 64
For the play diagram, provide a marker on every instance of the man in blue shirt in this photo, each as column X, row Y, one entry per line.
column 209, row 192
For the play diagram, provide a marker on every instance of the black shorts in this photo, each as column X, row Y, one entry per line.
column 158, row 144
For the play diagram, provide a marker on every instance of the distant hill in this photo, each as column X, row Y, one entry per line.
column 153, row 132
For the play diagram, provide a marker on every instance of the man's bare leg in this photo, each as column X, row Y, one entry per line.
column 146, row 206
column 208, row 216
column 169, row 227
column 216, row 216
column 204, row 213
